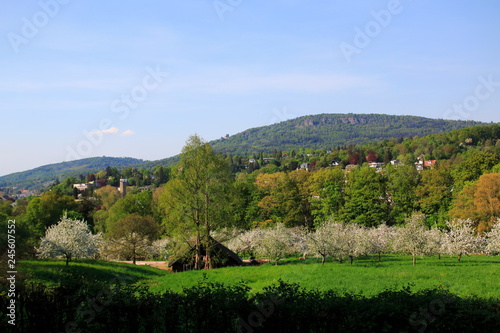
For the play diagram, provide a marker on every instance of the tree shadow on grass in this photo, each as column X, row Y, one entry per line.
column 53, row 272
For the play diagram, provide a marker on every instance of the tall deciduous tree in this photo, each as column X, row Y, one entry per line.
column 463, row 206
column 327, row 191
column 487, row 199
column 196, row 201
column 472, row 167
column 402, row 181
column 365, row 198
column 434, row 194
column 133, row 233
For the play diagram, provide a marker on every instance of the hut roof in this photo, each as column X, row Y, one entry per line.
column 215, row 244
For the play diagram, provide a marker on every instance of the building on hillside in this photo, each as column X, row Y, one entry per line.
column 305, row 166
column 123, row 187
column 430, row 164
column 82, row 187
column 377, row 165
column 422, row 164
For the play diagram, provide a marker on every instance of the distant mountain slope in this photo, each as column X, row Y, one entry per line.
column 316, row 132
column 42, row 176
column 331, row 130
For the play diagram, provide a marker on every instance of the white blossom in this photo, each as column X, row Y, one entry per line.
column 355, row 241
column 299, row 240
column 275, row 243
column 320, row 241
column 412, row 238
column 460, row 239
column 381, row 239
column 69, row 239
column 435, row 240
column 493, row 239
column 246, row 242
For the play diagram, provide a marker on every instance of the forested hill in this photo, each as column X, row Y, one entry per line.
column 331, row 130
column 324, row 131
column 42, row 176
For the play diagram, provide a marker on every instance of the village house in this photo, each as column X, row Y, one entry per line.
column 377, row 165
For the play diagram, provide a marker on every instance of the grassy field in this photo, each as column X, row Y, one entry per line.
column 474, row 276
column 55, row 271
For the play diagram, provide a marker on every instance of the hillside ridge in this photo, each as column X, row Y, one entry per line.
column 321, row 131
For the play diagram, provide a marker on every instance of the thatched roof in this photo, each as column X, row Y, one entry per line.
column 215, row 244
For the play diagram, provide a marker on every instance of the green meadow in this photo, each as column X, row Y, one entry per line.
column 53, row 272
column 473, row 276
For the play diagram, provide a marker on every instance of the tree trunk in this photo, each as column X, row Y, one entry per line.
column 379, row 256
column 414, row 260
column 133, row 253
column 208, row 245
column 322, row 260
column 351, row 258
column 197, row 258
column 459, row 257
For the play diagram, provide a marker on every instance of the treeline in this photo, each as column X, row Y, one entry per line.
column 263, row 190
column 87, row 306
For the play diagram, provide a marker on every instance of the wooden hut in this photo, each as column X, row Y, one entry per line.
column 221, row 257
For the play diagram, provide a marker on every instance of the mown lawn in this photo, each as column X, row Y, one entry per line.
column 473, row 276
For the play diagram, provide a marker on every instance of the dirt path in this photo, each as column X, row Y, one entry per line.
column 156, row 264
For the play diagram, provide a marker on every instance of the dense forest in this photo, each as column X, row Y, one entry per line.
column 325, row 131
column 368, row 184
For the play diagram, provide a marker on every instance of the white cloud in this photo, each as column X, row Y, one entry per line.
column 128, row 132
column 112, row 130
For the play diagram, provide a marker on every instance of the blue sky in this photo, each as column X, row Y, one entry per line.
column 137, row 78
